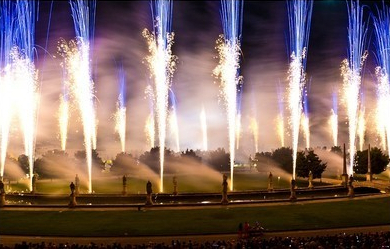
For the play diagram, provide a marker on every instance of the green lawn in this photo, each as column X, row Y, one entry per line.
column 294, row 216
column 186, row 183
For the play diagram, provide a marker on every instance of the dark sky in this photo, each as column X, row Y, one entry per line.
column 196, row 25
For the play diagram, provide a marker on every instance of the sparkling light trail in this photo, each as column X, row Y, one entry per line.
column 227, row 71
column 162, row 64
column 382, row 45
column 78, row 56
column 351, row 70
column 299, row 13
column 6, row 107
column 173, row 124
column 333, row 120
column 120, row 115
column 305, row 119
column 25, row 76
column 280, row 116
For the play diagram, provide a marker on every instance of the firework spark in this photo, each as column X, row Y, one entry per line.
column 162, row 64
column 227, row 71
column 382, row 45
column 173, row 124
column 351, row 69
column 361, row 128
column 77, row 57
column 305, row 123
column 333, row 120
column 6, row 33
column 299, row 13
column 280, row 117
column 120, row 115
column 63, row 120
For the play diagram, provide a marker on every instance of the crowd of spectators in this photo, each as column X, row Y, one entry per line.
column 340, row 241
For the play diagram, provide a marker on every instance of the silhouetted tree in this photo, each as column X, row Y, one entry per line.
column 54, row 163
column 219, row 159
column 124, row 163
column 96, row 160
column 379, row 161
column 337, row 150
column 190, row 154
column 283, row 156
column 152, row 159
column 23, row 163
column 307, row 162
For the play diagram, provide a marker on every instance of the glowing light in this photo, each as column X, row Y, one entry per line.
column 77, row 57
column 254, row 128
column 305, row 123
column 333, row 120
column 382, row 45
column 227, row 71
column 280, row 117
column 162, row 64
column 203, row 123
column 351, row 72
column 299, row 13
column 120, row 114
column 173, row 124
column 149, row 130
column 63, row 119
column 238, row 130
column 6, row 89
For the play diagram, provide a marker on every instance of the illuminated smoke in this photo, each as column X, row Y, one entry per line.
column 203, row 123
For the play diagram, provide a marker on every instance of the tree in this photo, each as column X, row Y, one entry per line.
column 219, row 159
column 23, row 163
column 336, row 150
column 96, row 160
column 190, row 154
column 54, row 163
column 123, row 163
column 283, row 156
column 307, row 162
column 379, row 161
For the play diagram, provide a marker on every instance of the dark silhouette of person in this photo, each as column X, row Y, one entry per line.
column 72, row 187
column 148, row 187
column 124, row 179
column 2, row 187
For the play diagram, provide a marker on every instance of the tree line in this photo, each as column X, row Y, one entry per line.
column 54, row 163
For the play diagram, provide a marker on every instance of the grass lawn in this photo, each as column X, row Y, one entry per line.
column 152, row 222
column 186, row 183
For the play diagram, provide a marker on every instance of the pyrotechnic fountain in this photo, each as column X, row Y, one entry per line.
column 162, row 64
column 299, row 13
column 77, row 56
column 351, row 70
column 25, row 76
column 63, row 119
column 120, row 115
column 333, row 121
column 173, row 125
column 228, row 46
column 280, row 117
column 203, row 123
column 6, row 33
column 305, row 118
column 382, row 45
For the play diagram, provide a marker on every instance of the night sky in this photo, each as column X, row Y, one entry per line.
column 197, row 25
